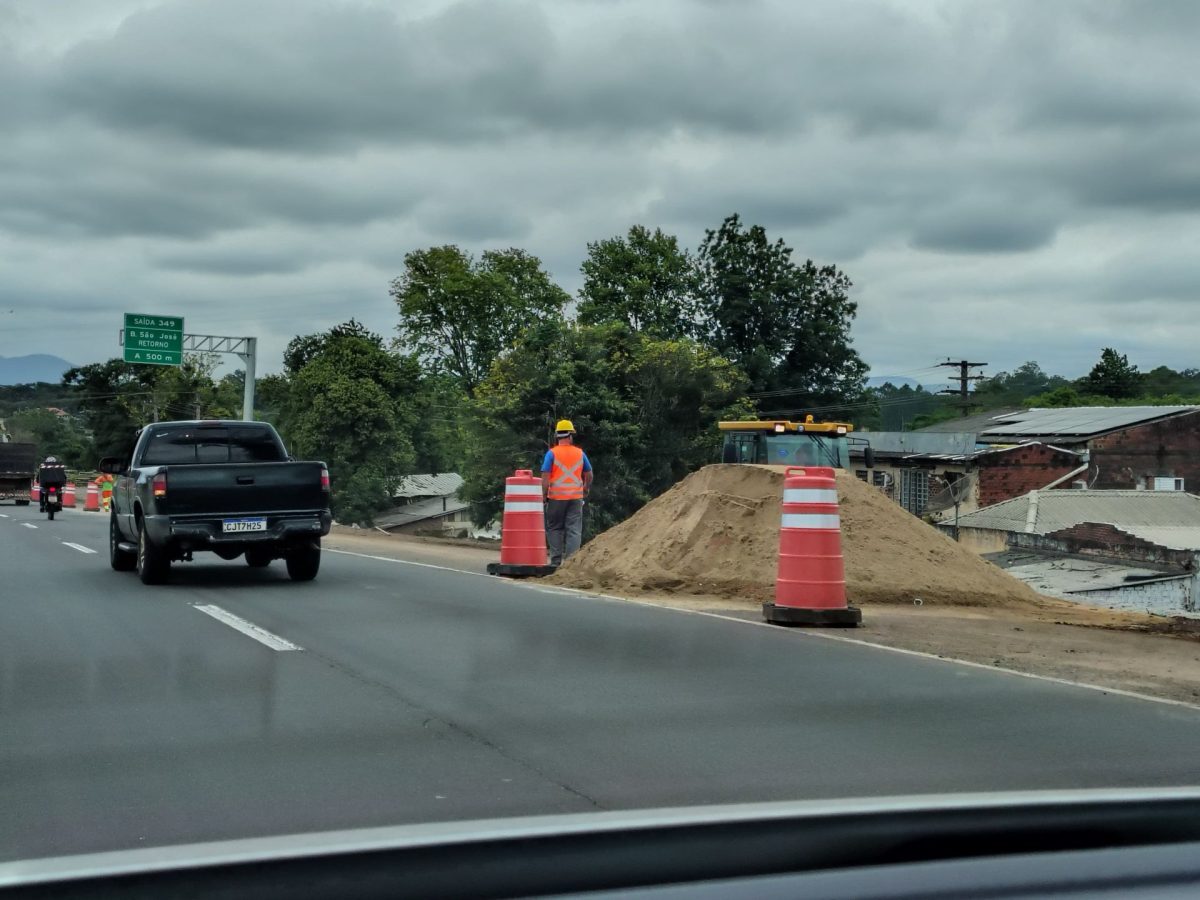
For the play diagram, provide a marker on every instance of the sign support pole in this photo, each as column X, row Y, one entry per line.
column 249, row 358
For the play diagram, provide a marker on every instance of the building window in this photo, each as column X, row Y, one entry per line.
column 880, row 479
column 860, row 474
column 914, row 490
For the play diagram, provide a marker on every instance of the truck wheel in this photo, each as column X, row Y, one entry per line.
column 304, row 561
column 259, row 559
column 153, row 564
column 119, row 559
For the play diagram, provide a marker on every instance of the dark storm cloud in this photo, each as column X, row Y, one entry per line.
column 1026, row 158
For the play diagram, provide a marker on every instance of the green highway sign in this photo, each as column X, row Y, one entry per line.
column 153, row 340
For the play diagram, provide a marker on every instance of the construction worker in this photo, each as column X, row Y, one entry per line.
column 566, row 479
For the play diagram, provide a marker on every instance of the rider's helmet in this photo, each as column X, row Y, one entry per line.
column 51, row 460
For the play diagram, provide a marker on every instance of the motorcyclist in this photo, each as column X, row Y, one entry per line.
column 52, row 472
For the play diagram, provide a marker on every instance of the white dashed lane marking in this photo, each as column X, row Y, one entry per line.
column 274, row 641
column 79, row 547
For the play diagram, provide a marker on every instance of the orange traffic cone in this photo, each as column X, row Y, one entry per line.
column 523, row 530
column 91, row 503
column 35, row 493
column 810, row 587
column 69, row 495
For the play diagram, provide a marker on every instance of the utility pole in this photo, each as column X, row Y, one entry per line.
column 964, row 382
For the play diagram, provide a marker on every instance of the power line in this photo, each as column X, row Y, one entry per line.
column 964, row 382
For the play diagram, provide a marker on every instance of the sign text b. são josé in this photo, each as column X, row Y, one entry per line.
column 154, row 340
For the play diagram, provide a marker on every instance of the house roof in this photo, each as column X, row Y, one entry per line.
column 420, row 511
column 444, row 485
column 974, row 424
column 1073, row 577
column 903, row 443
column 1139, row 513
column 1079, row 422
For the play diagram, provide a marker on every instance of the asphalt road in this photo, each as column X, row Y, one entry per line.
column 131, row 716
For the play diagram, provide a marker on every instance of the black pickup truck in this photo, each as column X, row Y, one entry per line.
column 228, row 487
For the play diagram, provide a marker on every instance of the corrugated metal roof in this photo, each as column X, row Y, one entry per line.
column 444, row 485
column 1072, row 578
column 974, row 423
column 433, row 508
column 952, row 443
column 1078, row 421
column 1064, row 508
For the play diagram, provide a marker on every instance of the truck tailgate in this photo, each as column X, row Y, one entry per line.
column 248, row 488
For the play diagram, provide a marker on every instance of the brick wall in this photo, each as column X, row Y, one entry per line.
column 1166, row 597
column 1013, row 473
column 1168, row 448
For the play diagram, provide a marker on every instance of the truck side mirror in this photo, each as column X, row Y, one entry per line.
column 869, row 457
column 112, row 465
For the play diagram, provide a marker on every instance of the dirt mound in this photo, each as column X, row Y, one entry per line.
column 717, row 533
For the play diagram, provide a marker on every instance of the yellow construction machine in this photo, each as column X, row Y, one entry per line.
column 778, row 442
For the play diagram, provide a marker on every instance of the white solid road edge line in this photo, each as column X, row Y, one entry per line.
column 79, row 547
column 274, row 641
column 613, row 598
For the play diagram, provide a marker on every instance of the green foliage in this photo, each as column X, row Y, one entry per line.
column 786, row 325
column 53, row 434
column 902, row 408
column 14, row 397
column 350, row 404
column 458, row 314
column 1113, row 376
column 1013, row 388
column 645, row 410
column 644, row 280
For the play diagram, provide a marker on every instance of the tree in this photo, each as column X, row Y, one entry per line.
column 786, row 326
column 112, row 399
column 1014, row 388
column 54, row 433
column 644, row 280
column 349, row 404
column 646, row 411
column 458, row 314
column 1113, row 376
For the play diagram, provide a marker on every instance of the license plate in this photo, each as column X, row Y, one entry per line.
column 230, row 526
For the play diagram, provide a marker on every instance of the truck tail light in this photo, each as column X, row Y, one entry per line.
column 158, row 484
column 324, row 479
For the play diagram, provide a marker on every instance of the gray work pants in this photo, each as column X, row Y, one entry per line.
column 564, row 528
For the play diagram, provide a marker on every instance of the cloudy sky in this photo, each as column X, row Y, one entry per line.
column 1005, row 181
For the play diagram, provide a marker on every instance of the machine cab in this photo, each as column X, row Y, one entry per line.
column 783, row 443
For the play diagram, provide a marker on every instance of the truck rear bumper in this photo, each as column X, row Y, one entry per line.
column 206, row 533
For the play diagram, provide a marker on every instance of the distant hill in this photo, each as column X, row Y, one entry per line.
column 35, row 367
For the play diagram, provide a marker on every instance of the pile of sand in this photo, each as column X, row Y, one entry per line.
column 717, row 533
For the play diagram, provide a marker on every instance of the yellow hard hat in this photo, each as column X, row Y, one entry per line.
column 564, row 426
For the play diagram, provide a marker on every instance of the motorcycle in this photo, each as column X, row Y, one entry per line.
column 53, row 502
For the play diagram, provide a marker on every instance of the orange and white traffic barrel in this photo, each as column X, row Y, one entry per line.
column 91, row 502
column 810, row 585
column 69, row 495
column 523, row 529
column 35, row 492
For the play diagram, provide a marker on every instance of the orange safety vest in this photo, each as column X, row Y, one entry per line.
column 566, row 475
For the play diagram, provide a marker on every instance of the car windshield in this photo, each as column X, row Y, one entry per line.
column 431, row 381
